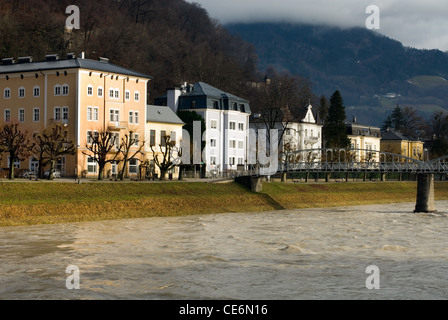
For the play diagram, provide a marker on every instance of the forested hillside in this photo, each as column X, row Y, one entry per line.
column 172, row 40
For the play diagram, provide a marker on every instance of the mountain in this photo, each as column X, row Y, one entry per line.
column 373, row 73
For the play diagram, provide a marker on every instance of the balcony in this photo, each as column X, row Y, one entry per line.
column 311, row 140
column 117, row 125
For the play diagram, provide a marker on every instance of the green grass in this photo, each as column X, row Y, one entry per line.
column 23, row 203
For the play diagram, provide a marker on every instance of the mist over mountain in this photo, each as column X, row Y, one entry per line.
column 374, row 73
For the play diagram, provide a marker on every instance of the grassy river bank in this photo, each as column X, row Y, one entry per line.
column 32, row 203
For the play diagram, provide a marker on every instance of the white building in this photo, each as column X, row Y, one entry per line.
column 227, row 121
column 300, row 130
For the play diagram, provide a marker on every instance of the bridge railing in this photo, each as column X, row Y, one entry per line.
column 357, row 160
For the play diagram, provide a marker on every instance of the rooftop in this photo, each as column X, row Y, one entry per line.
column 52, row 62
column 161, row 114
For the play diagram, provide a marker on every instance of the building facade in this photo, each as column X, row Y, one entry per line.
column 227, row 122
column 85, row 96
column 161, row 122
column 365, row 139
column 397, row 143
column 300, row 130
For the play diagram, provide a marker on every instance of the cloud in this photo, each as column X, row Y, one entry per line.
column 416, row 23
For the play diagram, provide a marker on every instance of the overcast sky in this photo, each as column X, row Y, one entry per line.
column 422, row 24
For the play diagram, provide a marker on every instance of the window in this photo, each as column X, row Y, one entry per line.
column 137, row 96
column 213, row 161
column 21, row 115
column 240, row 161
column 16, row 163
column 115, row 139
column 117, row 94
column 240, row 144
column 36, row 114
column 89, row 113
column 131, row 117
column 7, row 115
column 96, row 112
column 89, row 137
column 136, row 139
column 232, row 144
column 61, row 165
column 34, row 165
column 306, row 132
column 114, row 115
column 91, row 165
column 114, row 167
column 57, row 113
column 65, row 89
column 215, row 105
column 235, row 106
column 162, row 138
column 214, row 124
column 22, row 92
column 136, row 117
column 152, row 138
column 241, row 126
column 127, row 95
column 133, row 166
column 7, row 94
column 232, row 126
column 111, row 93
column 64, row 113
column 89, row 90
column 232, row 161
column 213, row 143
column 36, row 92
column 57, row 90
column 100, row 92
column 173, row 136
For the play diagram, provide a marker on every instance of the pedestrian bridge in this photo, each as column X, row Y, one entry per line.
column 362, row 160
column 357, row 160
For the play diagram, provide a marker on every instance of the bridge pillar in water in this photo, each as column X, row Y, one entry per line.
column 425, row 193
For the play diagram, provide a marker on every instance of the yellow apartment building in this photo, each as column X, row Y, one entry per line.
column 397, row 143
column 86, row 96
column 366, row 139
column 162, row 121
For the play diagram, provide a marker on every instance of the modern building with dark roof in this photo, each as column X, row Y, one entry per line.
column 227, row 121
column 84, row 96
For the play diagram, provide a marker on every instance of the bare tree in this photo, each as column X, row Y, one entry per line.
column 127, row 143
column 103, row 149
column 167, row 162
column 15, row 142
column 51, row 146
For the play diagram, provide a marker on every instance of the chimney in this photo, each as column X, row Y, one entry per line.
column 173, row 95
column 104, row 60
column 51, row 57
column 354, row 119
column 25, row 60
column 83, row 55
column 8, row 61
column 71, row 56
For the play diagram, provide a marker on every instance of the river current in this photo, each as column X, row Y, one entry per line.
column 281, row 255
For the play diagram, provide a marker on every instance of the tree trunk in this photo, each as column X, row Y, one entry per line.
column 163, row 174
column 100, row 171
column 11, row 166
column 51, row 173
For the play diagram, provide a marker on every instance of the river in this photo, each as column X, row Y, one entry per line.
column 287, row 255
